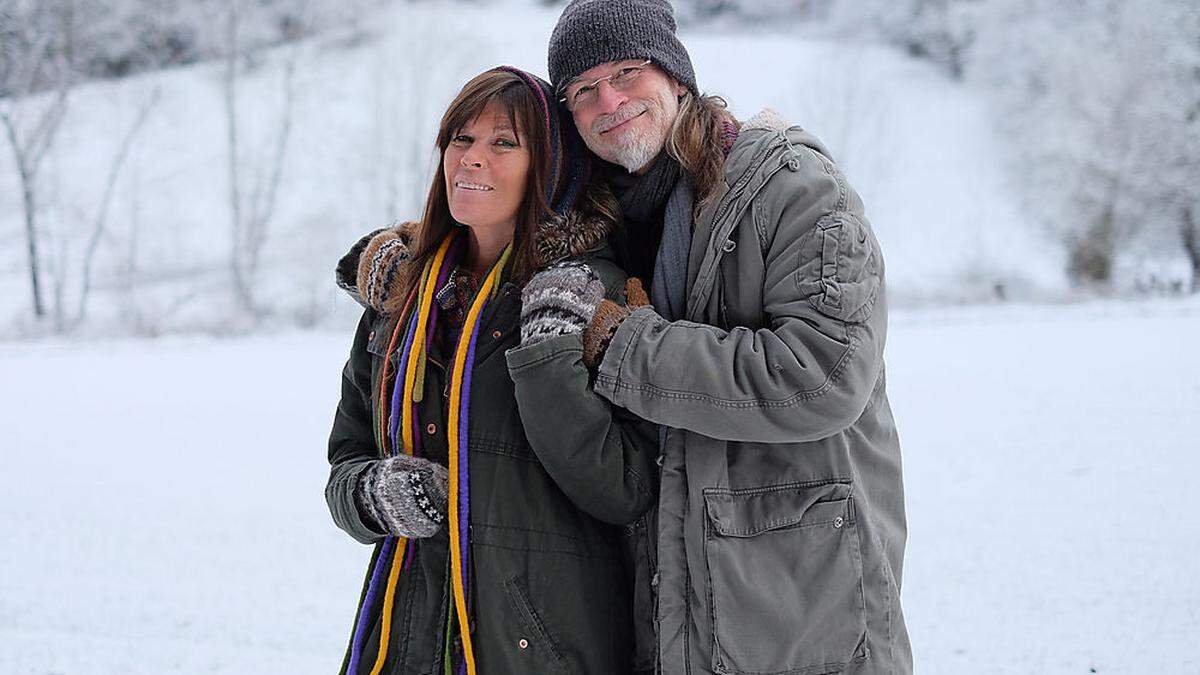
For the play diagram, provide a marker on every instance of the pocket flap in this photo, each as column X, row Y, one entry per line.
column 752, row 511
column 381, row 336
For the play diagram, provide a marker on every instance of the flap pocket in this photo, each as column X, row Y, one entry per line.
column 380, row 336
column 785, row 579
column 742, row 513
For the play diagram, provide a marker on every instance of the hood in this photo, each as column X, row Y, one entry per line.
column 763, row 133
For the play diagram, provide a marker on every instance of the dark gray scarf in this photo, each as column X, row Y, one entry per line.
column 641, row 197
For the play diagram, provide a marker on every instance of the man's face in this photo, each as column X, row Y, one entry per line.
column 628, row 125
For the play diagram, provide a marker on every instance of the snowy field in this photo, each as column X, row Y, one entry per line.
column 162, row 509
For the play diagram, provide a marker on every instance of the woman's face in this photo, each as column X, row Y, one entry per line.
column 486, row 171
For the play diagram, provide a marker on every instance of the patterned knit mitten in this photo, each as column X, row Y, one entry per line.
column 381, row 267
column 607, row 320
column 405, row 496
column 559, row 300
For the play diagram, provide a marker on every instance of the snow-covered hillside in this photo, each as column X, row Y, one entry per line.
column 919, row 148
column 164, row 512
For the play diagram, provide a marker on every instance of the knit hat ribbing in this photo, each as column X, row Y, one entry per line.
column 591, row 32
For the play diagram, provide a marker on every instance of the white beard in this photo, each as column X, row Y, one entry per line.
column 635, row 151
column 639, row 150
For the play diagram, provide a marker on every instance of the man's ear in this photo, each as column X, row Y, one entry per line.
column 678, row 88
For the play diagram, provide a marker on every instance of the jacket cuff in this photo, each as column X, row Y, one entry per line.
column 348, row 513
column 521, row 358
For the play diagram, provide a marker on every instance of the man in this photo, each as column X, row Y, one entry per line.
column 780, row 528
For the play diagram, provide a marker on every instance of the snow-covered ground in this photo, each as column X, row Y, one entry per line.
column 162, row 510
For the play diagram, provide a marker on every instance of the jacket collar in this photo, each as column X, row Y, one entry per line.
column 765, row 144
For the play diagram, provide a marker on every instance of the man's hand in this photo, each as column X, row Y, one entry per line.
column 608, row 318
column 559, row 300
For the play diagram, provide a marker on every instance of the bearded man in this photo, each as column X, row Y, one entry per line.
column 778, row 541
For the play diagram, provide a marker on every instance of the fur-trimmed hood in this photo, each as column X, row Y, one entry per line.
column 372, row 271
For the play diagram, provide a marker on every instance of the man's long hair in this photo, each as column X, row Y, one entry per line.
column 696, row 142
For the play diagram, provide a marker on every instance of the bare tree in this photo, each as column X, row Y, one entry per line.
column 1189, row 226
column 101, row 219
column 252, row 193
column 35, row 58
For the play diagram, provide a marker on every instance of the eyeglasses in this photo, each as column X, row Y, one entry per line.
column 586, row 95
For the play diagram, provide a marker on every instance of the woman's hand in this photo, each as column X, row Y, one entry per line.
column 405, row 496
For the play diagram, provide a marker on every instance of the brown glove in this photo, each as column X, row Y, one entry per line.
column 607, row 319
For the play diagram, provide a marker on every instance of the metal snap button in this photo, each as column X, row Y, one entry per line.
column 431, row 429
column 496, row 334
column 794, row 164
column 523, row 643
column 729, row 245
column 838, row 522
column 659, row 461
column 371, row 335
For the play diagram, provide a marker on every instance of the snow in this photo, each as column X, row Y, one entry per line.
column 162, row 501
column 1048, row 456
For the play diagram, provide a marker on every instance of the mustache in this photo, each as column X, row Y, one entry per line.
column 621, row 115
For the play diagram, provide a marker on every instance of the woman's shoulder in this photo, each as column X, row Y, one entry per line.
column 610, row 273
column 583, row 237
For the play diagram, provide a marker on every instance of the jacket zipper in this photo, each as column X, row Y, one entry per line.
column 728, row 202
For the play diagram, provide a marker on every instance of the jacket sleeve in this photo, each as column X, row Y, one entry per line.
column 601, row 457
column 809, row 372
column 351, row 442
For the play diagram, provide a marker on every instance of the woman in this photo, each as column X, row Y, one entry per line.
column 488, row 509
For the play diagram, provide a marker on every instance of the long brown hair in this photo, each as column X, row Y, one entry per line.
column 524, row 113
column 695, row 141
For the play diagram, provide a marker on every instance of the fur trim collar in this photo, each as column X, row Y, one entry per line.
column 374, row 274
column 767, row 119
column 571, row 235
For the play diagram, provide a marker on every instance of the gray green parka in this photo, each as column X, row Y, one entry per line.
column 778, row 542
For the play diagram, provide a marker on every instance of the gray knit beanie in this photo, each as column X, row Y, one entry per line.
column 591, row 32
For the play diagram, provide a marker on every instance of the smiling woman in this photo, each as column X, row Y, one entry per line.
column 502, row 172
column 498, row 546
column 487, row 170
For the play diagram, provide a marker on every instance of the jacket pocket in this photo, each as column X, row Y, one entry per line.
column 535, row 638
column 785, row 580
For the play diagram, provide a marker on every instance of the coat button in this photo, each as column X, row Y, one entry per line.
column 371, row 335
column 729, row 246
column 496, row 334
column 523, row 643
column 431, row 429
column 838, row 522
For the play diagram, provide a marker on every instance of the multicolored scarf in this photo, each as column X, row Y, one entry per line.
column 396, row 422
